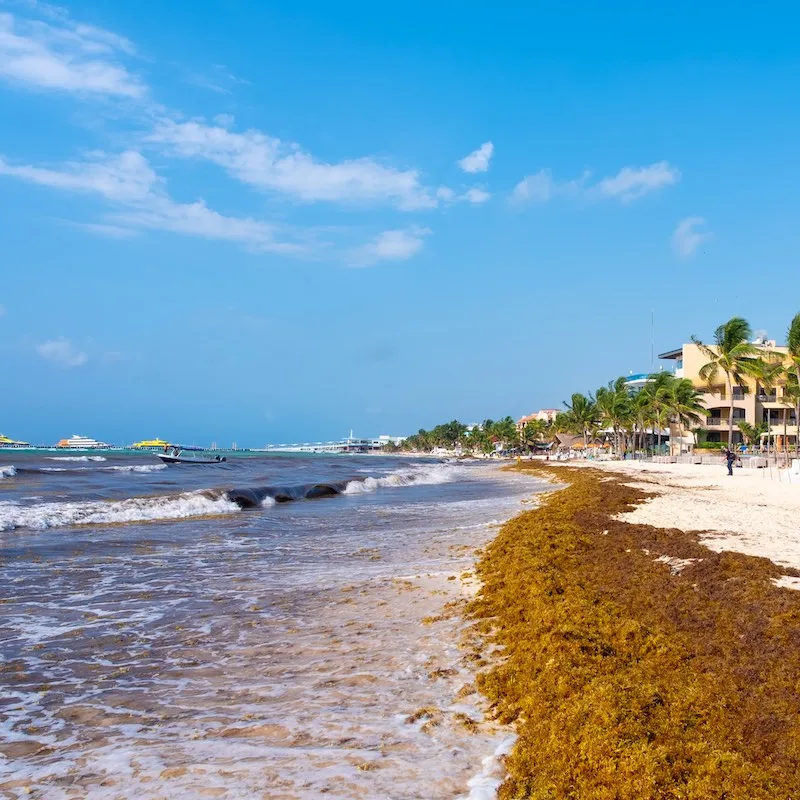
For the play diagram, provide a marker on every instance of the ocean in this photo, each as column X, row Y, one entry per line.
column 159, row 640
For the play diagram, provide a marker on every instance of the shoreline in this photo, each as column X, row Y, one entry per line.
column 638, row 661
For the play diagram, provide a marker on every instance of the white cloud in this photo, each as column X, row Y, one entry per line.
column 66, row 56
column 102, row 229
column 478, row 160
column 196, row 219
column 125, row 178
column 445, row 194
column 627, row 185
column 476, row 196
column 62, row 353
column 129, row 181
column 395, row 245
column 631, row 183
column 538, row 188
column 268, row 163
column 685, row 239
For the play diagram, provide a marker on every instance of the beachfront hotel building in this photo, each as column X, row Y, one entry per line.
column 543, row 414
column 752, row 402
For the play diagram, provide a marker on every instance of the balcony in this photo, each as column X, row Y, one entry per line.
column 716, row 422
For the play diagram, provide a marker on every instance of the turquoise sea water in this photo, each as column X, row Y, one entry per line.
column 158, row 640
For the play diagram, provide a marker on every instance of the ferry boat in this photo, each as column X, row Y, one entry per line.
column 82, row 443
column 150, row 444
column 6, row 442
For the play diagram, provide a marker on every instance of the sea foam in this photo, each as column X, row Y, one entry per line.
column 76, row 458
column 137, row 509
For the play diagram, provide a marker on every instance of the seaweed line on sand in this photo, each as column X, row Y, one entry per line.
column 625, row 677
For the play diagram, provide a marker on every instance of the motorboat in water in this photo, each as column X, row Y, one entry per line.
column 175, row 455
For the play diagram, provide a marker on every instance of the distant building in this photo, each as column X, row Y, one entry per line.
column 637, row 381
column 543, row 415
column 752, row 402
column 383, row 440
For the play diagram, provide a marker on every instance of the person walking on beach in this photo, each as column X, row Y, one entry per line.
column 730, row 457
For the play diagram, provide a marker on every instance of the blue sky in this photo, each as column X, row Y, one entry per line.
column 267, row 222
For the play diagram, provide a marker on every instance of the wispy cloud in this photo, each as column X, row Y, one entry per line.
column 103, row 229
column 394, row 245
column 124, row 178
column 218, row 79
column 62, row 353
column 128, row 180
column 629, row 184
column 685, row 239
column 268, row 163
column 476, row 195
column 65, row 56
column 478, row 160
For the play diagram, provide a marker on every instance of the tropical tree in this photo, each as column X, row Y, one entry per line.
column 793, row 345
column 733, row 355
column 533, row 432
column 752, row 433
column 683, row 404
column 656, row 399
column 582, row 415
column 613, row 405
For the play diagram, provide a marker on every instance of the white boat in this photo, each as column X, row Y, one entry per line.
column 83, row 443
column 175, row 456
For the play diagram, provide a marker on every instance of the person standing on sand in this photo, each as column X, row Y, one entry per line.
column 730, row 457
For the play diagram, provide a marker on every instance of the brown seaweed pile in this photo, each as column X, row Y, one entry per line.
column 636, row 662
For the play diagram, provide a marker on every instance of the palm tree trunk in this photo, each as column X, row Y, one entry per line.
column 785, row 436
column 730, row 417
column 797, row 418
column 797, row 429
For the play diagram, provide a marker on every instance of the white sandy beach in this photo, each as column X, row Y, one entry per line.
column 756, row 512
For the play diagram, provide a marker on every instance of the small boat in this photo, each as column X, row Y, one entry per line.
column 175, row 456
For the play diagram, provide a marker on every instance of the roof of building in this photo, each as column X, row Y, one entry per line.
column 672, row 354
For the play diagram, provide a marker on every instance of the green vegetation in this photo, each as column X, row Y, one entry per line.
column 793, row 371
column 628, row 413
column 630, row 677
column 734, row 356
column 752, row 433
column 480, row 438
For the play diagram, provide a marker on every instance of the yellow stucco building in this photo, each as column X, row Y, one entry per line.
column 752, row 402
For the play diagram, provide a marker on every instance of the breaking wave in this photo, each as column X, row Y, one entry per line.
column 200, row 503
column 137, row 509
column 72, row 470
column 76, row 458
column 256, row 496
column 9, row 471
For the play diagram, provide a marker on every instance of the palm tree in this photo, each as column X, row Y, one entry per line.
column 657, row 391
column 613, row 405
column 684, row 404
column 582, row 414
column 791, row 400
column 732, row 354
column 533, row 432
column 752, row 433
column 793, row 345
